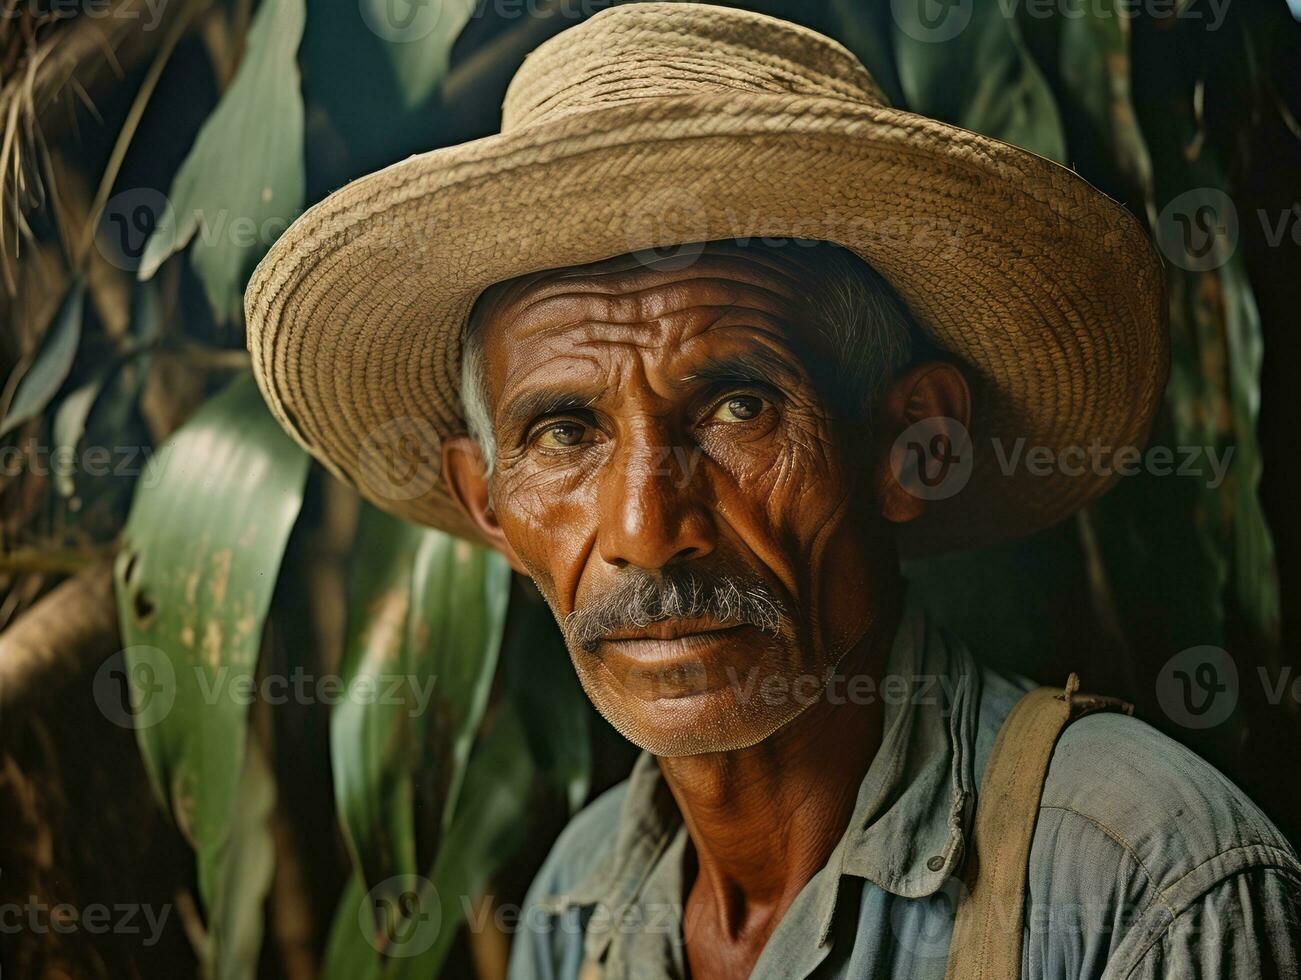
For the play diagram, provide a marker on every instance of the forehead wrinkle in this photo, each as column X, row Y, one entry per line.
column 674, row 336
column 506, row 407
column 615, row 302
column 679, row 327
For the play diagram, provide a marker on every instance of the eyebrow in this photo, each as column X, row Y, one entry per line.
column 551, row 400
column 760, row 365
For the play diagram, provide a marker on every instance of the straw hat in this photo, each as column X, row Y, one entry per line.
column 654, row 125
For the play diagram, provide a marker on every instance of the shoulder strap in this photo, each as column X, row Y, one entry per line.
column 987, row 932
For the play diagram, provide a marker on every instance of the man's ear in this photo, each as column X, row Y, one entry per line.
column 934, row 390
column 467, row 479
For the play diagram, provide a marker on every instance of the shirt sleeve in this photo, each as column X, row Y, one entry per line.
column 1246, row 927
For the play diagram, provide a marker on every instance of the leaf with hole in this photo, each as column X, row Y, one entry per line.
column 201, row 553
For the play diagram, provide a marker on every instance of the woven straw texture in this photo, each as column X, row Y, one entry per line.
column 654, row 125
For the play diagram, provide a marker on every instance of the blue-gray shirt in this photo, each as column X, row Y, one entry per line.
column 1146, row 861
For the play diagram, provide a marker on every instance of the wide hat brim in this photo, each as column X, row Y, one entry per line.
column 1046, row 290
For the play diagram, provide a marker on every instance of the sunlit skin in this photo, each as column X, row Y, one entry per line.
column 647, row 416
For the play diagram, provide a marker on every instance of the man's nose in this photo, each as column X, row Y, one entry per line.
column 651, row 511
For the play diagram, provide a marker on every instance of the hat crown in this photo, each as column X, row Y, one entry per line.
column 638, row 51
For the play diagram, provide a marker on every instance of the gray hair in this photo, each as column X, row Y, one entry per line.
column 851, row 306
column 703, row 589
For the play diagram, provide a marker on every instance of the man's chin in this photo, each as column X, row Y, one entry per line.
column 719, row 719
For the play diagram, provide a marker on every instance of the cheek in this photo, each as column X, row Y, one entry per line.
column 795, row 504
column 549, row 519
column 791, row 485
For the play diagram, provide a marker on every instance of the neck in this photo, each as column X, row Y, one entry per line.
column 763, row 820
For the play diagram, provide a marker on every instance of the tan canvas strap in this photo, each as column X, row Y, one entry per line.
column 987, row 932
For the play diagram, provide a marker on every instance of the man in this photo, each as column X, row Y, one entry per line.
column 709, row 452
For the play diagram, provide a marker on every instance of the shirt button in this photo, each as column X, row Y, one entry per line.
column 935, row 863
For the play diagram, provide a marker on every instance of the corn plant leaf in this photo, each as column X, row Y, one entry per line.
column 52, row 362
column 349, row 953
column 202, row 550
column 546, row 693
column 865, row 29
column 1094, row 61
column 375, row 747
column 425, row 623
column 70, row 424
column 488, row 827
column 460, row 594
column 418, row 36
column 970, row 67
column 235, row 924
column 243, row 180
column 1216, row 351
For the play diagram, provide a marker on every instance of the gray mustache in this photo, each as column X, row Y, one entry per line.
column 678, row 592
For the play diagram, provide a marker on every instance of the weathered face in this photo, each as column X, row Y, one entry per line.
column 669, row 474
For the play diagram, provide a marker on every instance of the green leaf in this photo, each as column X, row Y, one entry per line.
column 70, row 424
column 101, row 409
column 425, row 622
column 53, row 360
column 374, row 747
column 458, row 615
column 235, row 924
column 865, row 30
column 1095, row 70
column 488, row 828
column 418, row 36
column 202, row 549
column 349, row 954
column 976, row 74
column 243, row 179
column 545, row 691
column 1216, row 350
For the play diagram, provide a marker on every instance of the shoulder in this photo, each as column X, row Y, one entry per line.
column 1141, row 844
column 1165, row 851
column 1181, row 821
column 1142, row 795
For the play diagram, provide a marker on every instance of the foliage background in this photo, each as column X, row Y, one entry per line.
column 261, row 829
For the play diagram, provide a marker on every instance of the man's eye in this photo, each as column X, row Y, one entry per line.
column 738, row 408
column 560, row 435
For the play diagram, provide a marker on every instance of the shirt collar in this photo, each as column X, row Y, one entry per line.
column 906, row 832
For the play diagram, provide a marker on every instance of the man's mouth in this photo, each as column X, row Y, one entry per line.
column 671, row 629
column 671, row 659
